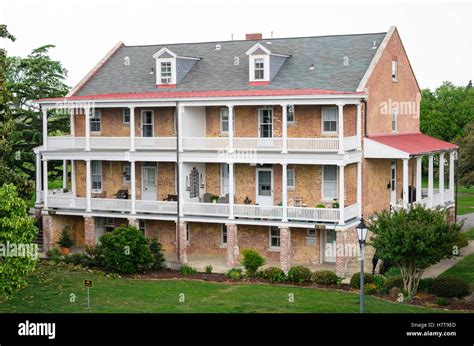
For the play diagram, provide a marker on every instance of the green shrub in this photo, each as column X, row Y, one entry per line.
column 187, row 270
column 93, row 257
column 370, row 288
column 394, row 281
column 450, row 286
column 393, row 271
column 125, row 250
column 208, row 269
column 158, row 259
column 320, row 206
column 379, row 281
column 426, row 285
column 441, row 301
column 65, row 239
column 461, row 240
column 76, row 258
column 299, row 274
column 252, row 261
column 234, row 273
column 274, row 274
column 324, row 277
column 54, row 254
column 355, row 280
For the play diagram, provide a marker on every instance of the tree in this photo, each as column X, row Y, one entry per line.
column 16, row 227
column 413, row 240
column 466, row 157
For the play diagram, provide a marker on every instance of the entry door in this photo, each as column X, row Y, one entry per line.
column 393, row 184
column 149, row 182
column 265, row 186
column 330, row 246
column 265, row 123
column 147, row 123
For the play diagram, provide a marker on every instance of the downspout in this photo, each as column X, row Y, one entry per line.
column 456, row 179
column 365, row 117
column 178, row 192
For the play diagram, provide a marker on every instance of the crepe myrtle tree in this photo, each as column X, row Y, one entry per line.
column 413, row 240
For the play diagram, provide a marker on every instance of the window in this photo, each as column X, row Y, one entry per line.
column 223, row 234
column 224, row 120
column 127, row 173
column 259, row 69
column 330, row 116
column 224, row 179
column 290, row 179
column 394, row 70
column 109, row 224
column 142, row 225
column 311, row 232
column 126, row 115
column 274, row 237
column 290, row 114
column 329, row 182
column 96, row 176
column 188, row 231
column 95, row 122
column 394, row 119
column 165, row 72
column 147, row 123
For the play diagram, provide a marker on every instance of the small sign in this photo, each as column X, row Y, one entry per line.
column 88, row 283
column 319, row 226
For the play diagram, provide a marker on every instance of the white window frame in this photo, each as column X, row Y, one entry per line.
column 323, row 110
column 270, row 237
column 188, row 232
column 97, row 174
column 172, row 62
column 394, row 119
column 290, row 110
column 259, row 68
column 292, row 186
column 266, row 68
column 152, row 121
column 125, row 115
column 224, row 234
column 222, row 115
column 223, row 165
column 331, row 198
column 394, row 70
column 97, row 119
column 312, row 232
column 259, row 111
column 125, row 167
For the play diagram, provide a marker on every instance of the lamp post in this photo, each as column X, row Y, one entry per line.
column 361, row 234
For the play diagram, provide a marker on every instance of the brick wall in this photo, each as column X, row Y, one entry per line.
column 59, row 222
column 205, row 239
column 375, row 195
column 164, row 232
column 257, row 238
column 301, row 251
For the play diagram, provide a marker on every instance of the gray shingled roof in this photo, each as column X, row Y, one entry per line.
column 216, row 69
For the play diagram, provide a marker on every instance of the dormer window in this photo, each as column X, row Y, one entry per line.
column 165, row 71
column 171, row 68
column 263, row 64
column 259, row 69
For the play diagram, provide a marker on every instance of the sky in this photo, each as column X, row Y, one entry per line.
column 437, row 35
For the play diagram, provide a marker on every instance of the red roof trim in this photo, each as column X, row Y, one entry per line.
column 258, row 83
column 166, row 86
column 414, row 143
column 211, row 93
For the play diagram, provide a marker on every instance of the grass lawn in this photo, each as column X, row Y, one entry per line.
column 470, row 234
column 463, row 269
column 50, row 289
column 465, row 200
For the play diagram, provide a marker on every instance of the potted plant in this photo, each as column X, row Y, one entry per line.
column 214, row 199
column 65, row 241
column 335, row 204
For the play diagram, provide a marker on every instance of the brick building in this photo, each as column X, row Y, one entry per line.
column 280, row 145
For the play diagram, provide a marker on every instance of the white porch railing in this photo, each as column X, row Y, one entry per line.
column 448, row 196
column 109, row 204
column 258, row 211
column 66, row 202
column 206, row 209
column 313, row 144
column 351, row 143
column 311, row 214
column 97, row 142
column 351, row 211
column 437, row 199
column 164, row 143
column 158, row 207
column 205, row 143
column 255, row 143
column 66, row 142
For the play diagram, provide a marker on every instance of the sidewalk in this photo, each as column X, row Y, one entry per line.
column 445, row 264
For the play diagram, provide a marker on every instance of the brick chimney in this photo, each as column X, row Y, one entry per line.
column 253, row 37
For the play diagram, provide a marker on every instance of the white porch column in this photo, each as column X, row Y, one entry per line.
column 65, row 180
column 359, row 126
column 231, row 189
column 284, row 192
column 133, row 187
column 88, row 186
column 430, row 180
column 452, row 155
column 45, row 128
column 418, row 178
column 359, row 189
column 340, row 130
column 87, row 119
column 441, row 177
column 284, row 117
column 341, row 195
column 405, row 183
column 180, row 128
column 181, row 188
column 73, row 177
column 73, row 125
column 132, row 128
column 38, row 177
column 45, row 184
column 231, row 128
